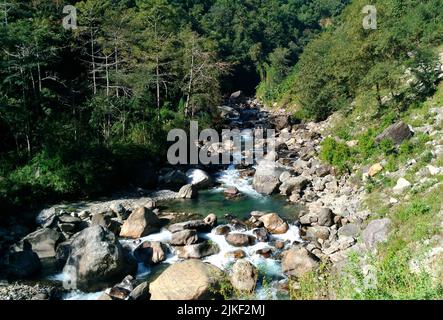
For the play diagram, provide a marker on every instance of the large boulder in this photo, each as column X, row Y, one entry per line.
column 244, row 276
column 401, row 186
column 267, row 177
column 239, row 239
column 274, row 224
column 198, row 250
column 43, row 242
column 97, row 258
column 398, row 132
column 142, row 222
column 187, row 192
column 198, row 225
column 184, row 237
column 280, row 121
column 199, row 178
column 318, row 216
column 151, row 252
column 188, row 280
column 298, row 261
column 377, row 231
column 293, row 184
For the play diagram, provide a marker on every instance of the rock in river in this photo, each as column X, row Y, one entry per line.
column 274, row 224
column 96, row 258
column 141, row 222
column 198, row 250
column 244, row 276
column 184, row 237
column 239, row 239
column 189, row 280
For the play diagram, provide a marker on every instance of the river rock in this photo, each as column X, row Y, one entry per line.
column 188, row 280
column 318, row 216
column 184, row 237
column 280, row 121
column 140, row 293
column 187, row 192
column 267, row 177
column 274, row 224
column 294, row 184
column 151, row 252
column 377, row 231
column 239, row 239
column 210, row 220
column 265, row 252
column 244, row 276
column 222, row 230
column 96, row 258
column 199, row 178
column 198, row 225
column 298, row 261
column 231, row 193
column 122, row 290
column 398, row 132
column 349, row 230
column 236, row 254
column 43, row 242
column 315, row 233
column 198, row 250
column 261, row 234
column 142, row 222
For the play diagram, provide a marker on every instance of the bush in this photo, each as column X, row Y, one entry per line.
column 337, row 154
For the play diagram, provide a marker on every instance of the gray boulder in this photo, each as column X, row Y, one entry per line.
column 376, row 232
column 239, row 239
column 398, row 132
column 151, row 252
column 244, row 276
column 97, row 258
column 198, row 250
column 43, row 242
column 187, row 192
column 298, row 261
column 199, row 178
column 184, row 237
column 188, row 280
column 142, row 222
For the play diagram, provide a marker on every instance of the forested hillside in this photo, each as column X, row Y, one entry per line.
column 393, row 66
column 80, row 108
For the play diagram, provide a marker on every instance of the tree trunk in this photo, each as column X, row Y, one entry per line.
column 94, row 82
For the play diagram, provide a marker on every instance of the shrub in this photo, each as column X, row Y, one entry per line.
column 336, row 153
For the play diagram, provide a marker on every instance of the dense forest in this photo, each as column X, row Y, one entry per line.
column 347, row 61
column 80, row 108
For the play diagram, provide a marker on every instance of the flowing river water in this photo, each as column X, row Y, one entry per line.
column 214, row 201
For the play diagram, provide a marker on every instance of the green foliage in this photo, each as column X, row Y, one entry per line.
column 336, row 153
column 347, row 60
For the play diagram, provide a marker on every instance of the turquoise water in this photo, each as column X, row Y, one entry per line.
column 213, row 201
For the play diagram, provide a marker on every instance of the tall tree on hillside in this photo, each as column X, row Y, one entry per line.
column 201, row 73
